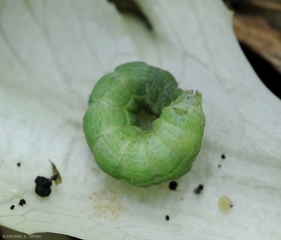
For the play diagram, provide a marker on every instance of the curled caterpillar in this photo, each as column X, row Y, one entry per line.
column 125, row 150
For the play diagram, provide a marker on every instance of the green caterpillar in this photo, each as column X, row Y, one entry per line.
column 125, row 150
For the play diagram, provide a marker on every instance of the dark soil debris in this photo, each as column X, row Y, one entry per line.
column 42, row 191
column 173, row 185
column 44, row 182
column 43, row 186
column 54, row 178
column 21, row 202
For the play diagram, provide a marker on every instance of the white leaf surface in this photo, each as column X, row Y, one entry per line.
column 51, row 55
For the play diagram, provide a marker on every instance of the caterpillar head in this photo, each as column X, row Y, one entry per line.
column 190, row 97
column 186, row 99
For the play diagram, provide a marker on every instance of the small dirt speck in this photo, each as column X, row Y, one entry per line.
column 199, row 189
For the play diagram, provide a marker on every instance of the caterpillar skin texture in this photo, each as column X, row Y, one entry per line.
column 126, row 151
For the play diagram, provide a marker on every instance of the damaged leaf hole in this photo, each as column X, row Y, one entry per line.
column 56, row 175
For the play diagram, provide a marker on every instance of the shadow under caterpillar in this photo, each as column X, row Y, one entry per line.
column 126, row 151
